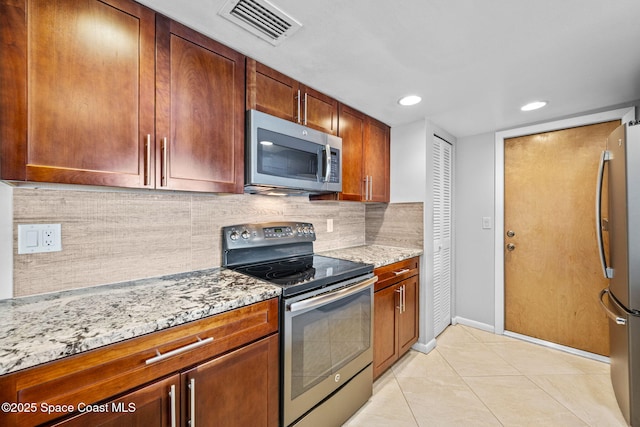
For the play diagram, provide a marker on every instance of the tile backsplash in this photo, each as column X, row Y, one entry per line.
column 117, row 236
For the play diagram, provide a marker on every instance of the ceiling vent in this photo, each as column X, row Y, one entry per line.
column 261, row 18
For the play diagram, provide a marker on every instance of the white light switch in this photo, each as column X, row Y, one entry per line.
column 486, row 223
column 32, row 238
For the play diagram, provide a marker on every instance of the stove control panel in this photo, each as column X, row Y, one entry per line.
column 267, row 234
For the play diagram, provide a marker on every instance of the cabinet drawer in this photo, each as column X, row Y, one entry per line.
column 102, row 373
column 393, row 273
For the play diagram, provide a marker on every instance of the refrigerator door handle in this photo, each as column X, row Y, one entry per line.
column 606, row 270
column 610, row 314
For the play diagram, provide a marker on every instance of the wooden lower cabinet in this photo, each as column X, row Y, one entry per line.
column 396, row 313
column 154, row 405
column 237, row 389
column 223, row 370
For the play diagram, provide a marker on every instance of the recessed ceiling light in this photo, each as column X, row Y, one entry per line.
column 409, row 100
column 533, row 105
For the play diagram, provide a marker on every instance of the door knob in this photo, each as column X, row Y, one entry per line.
column 511, row 247
column 511, row 233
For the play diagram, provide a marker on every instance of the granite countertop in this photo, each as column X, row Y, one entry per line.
column 378, row 255
column 44, row 328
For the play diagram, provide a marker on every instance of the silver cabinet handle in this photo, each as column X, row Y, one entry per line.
column 192, row 403
column 179, row 350
column 511, row 247
column 399, row 291
column 366, row 188
column 305, row 108
column 610, row 314
column 606, row 270
column 147, row 160
column 331, row 296
column 298, row 112
column 172, row 395
column 163, row 180
column 404, row 298
column 371, row 187
column 404, row 270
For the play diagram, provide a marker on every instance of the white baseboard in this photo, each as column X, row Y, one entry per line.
column 424, row 348
column 474, row 324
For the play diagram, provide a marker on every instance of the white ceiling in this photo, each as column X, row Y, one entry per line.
column 473, row 62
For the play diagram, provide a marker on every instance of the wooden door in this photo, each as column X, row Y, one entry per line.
column 376, row 159
column 352, row 124
column 237, row 389
column 320, row 111
column 154, row 405
column 90, row 92
column 408, row 319
column 199, row 112
column 272, row 92
column 552, row 272
column 385, row 328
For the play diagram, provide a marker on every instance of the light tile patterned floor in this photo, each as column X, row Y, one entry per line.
column 475, row 378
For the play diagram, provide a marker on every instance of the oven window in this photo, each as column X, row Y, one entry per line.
column 285, row 156
column 327, row 338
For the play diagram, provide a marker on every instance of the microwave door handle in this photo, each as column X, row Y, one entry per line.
column 606, row 270
column 327, row 163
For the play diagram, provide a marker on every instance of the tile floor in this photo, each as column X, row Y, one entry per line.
column 475, row 378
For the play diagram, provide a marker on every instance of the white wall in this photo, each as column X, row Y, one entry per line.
column 6, row 241
column 474, row 199
column 412, row 181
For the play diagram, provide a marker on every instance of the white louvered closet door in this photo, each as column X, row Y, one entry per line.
column 442, row 186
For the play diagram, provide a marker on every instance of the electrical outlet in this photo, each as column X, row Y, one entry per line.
column 35, row 238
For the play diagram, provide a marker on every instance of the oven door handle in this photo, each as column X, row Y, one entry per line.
column 331, row 297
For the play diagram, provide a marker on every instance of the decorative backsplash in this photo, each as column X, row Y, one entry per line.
column 116, row 236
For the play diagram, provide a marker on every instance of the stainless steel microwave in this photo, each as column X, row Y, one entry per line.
column 283, row 157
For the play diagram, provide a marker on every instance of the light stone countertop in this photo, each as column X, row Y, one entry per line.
column 378, row 255
column 43, row 328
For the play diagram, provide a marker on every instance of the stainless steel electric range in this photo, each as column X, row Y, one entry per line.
column 326, row 319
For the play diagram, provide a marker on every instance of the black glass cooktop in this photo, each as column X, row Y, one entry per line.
column 303, row 273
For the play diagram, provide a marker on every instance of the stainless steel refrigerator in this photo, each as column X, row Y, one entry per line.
column 620, row 167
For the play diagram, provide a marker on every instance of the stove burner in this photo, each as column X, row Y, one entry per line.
column 285, row 272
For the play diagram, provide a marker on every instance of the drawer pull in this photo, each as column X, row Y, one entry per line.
column 161, row 356
column 404, row 270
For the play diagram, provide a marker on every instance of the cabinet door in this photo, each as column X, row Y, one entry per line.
column 87, row 116
column 199, row 112
column 237, row 389
column 320, row 111
column 352, row 124
column 385, row 329
column 376, row 159
column 408, row 319
column 272, row 92
column 157, row 405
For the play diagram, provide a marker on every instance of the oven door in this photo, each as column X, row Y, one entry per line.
column 327, row 341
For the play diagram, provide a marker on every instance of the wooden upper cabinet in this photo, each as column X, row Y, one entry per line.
column 376, row 160
column 274, row 93
column 352, row 124
column 199, row 112
column 84, row 112
column 365, row 157
column 81, row 105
